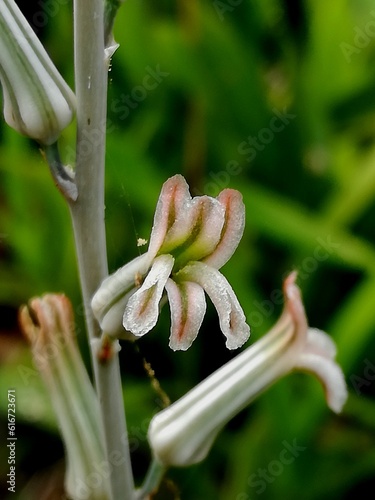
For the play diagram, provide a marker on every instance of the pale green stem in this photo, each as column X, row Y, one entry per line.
column 88, row 222
column 152, row 480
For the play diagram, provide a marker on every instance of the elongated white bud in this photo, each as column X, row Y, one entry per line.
column 48, row 323
column 37, row 102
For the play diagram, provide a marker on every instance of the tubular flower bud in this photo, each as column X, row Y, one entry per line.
column 36, row 100
column 183, row 433
column 190, row 240
column 48, row 323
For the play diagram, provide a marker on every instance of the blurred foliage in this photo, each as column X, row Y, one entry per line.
column 277, row 99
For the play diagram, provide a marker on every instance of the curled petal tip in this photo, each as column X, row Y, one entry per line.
column 172, row 202
column 231, row 316
column 330, row 376
column 232, row 230
column 318, row 358
column 291, row 289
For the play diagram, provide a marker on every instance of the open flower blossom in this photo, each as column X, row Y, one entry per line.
column 48, row 323
column 190, row 240
column 37, row 102
column 183, row 433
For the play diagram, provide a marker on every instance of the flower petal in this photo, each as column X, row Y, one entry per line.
column 142, row 310
column 318, row 342
column 111, row 323
column 318, row 358
column 295, row 309
column 109, row 301
column 330, row 375
column 202, row 228
column 189, row 228
column 232, row 319
column 232, row 231
column 188, row 306
column 172, row 205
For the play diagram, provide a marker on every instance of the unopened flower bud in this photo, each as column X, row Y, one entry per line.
column 37, row 101
column 48, row 323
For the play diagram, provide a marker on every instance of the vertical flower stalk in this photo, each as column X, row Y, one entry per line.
column 91, row 78
column 48, row 323
column 183, row 433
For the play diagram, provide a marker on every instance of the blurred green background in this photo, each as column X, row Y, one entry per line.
column 275, row 98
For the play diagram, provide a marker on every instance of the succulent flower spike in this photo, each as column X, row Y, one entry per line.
column 48, row 323
column 37, row 101
column 183, row 433
column 190, row 240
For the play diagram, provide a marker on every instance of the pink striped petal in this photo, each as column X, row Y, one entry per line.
column 232, row 319
column 142, row 310
column 172, row 205
column 232, row 231
column 188, row 306
column 294, row 308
